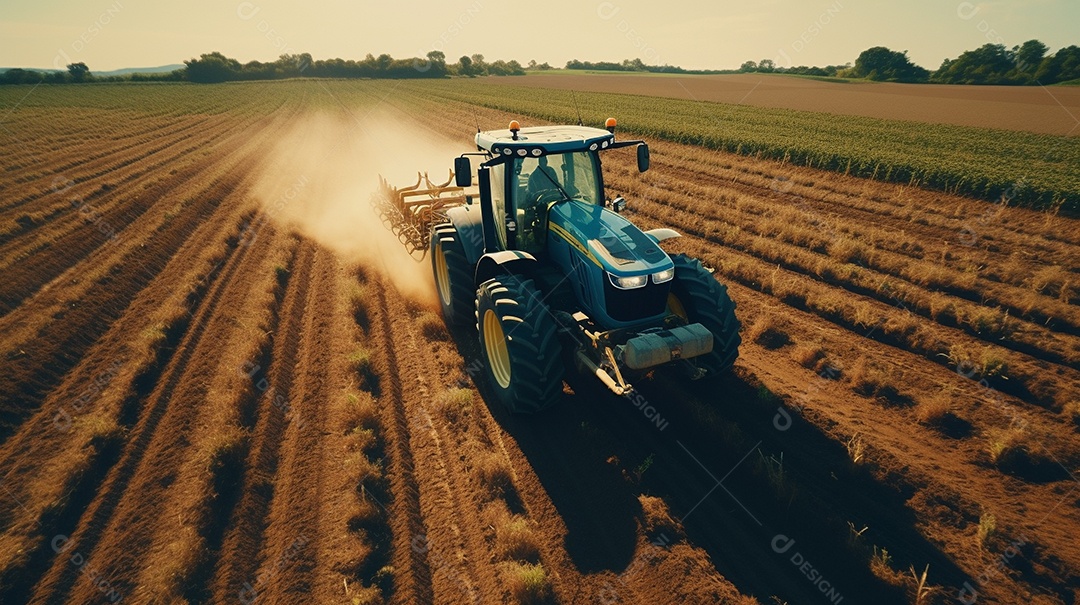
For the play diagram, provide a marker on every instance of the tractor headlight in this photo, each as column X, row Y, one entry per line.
column 628, row 283
column 663, row 276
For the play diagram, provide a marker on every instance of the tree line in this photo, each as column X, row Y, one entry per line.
column 216, row 67
column 639, row 66
column 1024, row 64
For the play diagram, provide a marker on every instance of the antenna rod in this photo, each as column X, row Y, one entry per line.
column 576, row 108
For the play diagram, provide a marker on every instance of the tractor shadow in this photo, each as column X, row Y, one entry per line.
column 800, row 482
column 569, row 449
column 595, row 454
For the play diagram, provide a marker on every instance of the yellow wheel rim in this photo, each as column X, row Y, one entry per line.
column 676, row 307
column 442, row 276
column 495, row 346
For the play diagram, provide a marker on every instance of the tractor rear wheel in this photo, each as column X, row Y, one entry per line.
column 520, row 343
column 453, row 279
column 697, row 297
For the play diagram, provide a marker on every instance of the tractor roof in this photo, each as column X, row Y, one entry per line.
column 543, row 140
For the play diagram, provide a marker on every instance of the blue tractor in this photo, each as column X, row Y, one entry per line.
column 554, row 277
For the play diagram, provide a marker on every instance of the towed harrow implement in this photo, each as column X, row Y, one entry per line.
column 410, row 212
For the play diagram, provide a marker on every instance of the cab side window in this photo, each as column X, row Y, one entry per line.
column 498, row 201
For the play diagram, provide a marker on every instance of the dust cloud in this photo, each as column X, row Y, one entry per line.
column 319, row 175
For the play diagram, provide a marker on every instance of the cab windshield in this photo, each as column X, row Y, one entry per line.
column 545, row 180
column 542, row 177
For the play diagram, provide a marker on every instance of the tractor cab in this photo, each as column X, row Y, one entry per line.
column 530, row 170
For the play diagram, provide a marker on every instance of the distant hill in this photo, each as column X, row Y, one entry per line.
column 116, row 72
column 44, row 71
column 139, row 70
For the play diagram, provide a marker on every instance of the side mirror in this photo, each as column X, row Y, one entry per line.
column 463, row 171
column 618, row 204
column 642, row 157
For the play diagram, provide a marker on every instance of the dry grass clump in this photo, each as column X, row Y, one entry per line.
column 872, row 381
column 1072, row 411
column 365, row 595
column 1007, row 447
column 863, row 378
column 1019, row 452
column 455, row 403
column 432, row 327
column 528, row 582
column 224, row 451
column 361, row 468
column 810, row 356
column 363, row 459
column 856, row 449
column 360, row 412
column 881, row 566
column 495, row 475
column 934, row 411
column 515, row 540
column 848, row 250
column 903, row 326
column 767, row 332
column 367, row 511
column 1056, row 281
column 987, row 529
column 100, row 431
column 362, row 361
column 985, row 363
column 518, row 550
column 985, row 321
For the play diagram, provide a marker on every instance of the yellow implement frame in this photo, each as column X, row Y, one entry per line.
column 411, row 212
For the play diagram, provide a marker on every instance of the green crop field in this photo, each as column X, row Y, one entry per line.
column 1028, row 169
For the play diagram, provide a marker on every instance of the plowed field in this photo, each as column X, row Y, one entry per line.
column 224, row 381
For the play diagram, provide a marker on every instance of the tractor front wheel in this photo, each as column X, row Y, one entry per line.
column 697, row 297
column 520, row 344
column 453, row 279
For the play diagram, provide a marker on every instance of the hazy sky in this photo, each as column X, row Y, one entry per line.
column 109, row 34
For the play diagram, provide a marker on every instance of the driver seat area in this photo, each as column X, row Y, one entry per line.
column 532, row 206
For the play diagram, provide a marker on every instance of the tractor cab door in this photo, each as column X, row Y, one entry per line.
column 543, row 181
column 499, row 203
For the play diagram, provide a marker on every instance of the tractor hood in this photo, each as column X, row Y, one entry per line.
column 607, row 239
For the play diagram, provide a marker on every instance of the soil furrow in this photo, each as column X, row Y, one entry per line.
column 71, row 243
column 407, row 522
column 453, row 540
column 272, row 375
column 293, row 547
column 125, row 157
column 86, row 146
column 35, row 367
column 118, row 523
